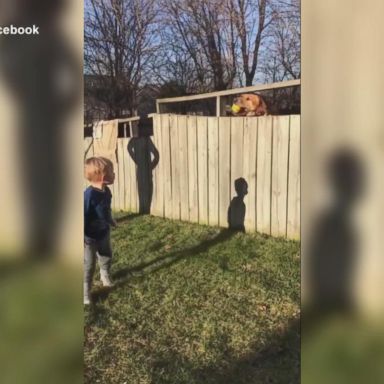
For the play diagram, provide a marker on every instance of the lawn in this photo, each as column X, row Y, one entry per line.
column 195, row 304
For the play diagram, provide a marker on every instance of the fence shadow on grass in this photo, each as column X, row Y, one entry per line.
column 124, row 275
column 276, row 361
column 127, row 218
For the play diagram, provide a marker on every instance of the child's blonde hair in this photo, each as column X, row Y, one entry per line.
column 97, row 167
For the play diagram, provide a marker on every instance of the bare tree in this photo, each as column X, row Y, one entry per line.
column 119, row 44
column 175, row 71
column 281, row 61
column 286, row 35
column 199, row 31
column 220, row 43
column 186, row 47
column 251, row 18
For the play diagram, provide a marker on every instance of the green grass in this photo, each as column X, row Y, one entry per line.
column 195, row 304
column 40, row 321
column 342, row 349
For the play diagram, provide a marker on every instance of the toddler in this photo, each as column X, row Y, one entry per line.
column 97, row 221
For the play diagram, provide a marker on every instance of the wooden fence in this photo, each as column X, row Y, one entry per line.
column 187, row 171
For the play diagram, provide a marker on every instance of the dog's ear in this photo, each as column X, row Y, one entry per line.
column 255, row 102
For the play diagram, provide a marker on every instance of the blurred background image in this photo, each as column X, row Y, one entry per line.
column 342, row 192
column 40, row 200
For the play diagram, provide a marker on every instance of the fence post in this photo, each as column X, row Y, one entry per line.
column 218, row 106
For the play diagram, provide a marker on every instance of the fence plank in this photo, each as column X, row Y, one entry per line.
column 237, row 151
column 175, row 167
column 158, row 179
column 183, row 165
column 224, row 169
column 161, row 172
column 88, row 147
column 128, row 173
column 192, row 170
column 213, row 171
column 202, row 161
column 133, row 185
column 119, row 172
column 250, row 152
column 115, row 186
column 237, row 160
column 127, row 176
column 264, row 168
column 279, row 175
column 138, row 175
column 293, row 213
column 153, row 173
column 166, row 155
column 144, row 174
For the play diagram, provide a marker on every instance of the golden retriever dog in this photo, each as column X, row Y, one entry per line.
column 249, row 104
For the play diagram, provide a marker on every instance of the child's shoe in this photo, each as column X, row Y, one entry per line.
column 105, row 279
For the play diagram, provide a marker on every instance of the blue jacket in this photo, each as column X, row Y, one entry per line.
column 97, row 213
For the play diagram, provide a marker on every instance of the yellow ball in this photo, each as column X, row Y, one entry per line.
column 235, row 108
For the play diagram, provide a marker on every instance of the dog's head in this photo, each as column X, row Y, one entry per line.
column 250, row 103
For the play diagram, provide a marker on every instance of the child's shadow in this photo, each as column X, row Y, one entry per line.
column 334, row 241
column 146, row 157
column 237, row 209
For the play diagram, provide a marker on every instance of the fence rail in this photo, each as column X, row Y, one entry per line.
column 190, row 168
column 218, row 95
